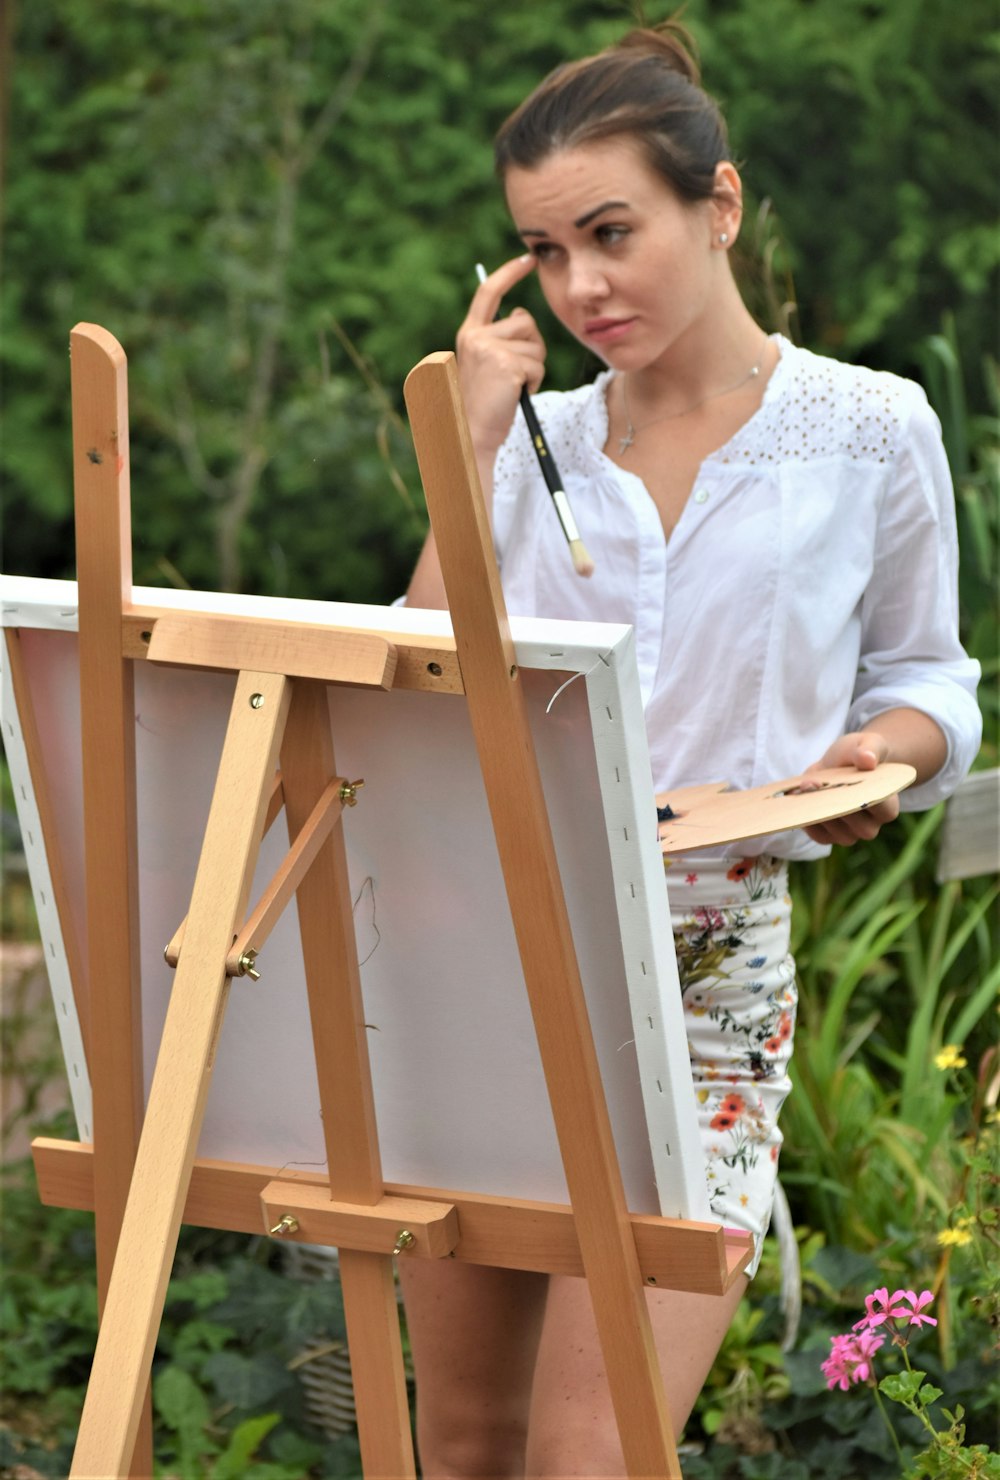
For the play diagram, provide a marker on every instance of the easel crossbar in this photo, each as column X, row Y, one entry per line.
column 503, row 1232
column 428, row 662
column 292, row 649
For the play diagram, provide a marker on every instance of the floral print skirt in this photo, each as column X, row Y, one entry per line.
column 731, row 925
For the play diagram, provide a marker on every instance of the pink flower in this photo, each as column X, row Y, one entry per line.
column 850, row 1359
column 881, row 1306
column 917, row 1318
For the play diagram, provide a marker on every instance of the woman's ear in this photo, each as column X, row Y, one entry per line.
column 727, row 205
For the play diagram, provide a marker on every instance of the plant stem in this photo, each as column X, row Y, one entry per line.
column 888, row 1423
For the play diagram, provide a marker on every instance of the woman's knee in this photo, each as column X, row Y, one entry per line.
column 466, row 1445
column 474, row 1333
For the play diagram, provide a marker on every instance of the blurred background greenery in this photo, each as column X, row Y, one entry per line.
column 253, row 196
column 275, row 206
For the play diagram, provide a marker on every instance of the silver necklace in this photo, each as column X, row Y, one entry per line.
column 624, row 443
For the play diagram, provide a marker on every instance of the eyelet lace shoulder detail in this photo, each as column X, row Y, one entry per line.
column 815, row 408
column 567, row 419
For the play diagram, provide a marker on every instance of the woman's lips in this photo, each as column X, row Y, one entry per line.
column 606, row 331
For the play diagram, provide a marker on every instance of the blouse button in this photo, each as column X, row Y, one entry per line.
column 701, row 496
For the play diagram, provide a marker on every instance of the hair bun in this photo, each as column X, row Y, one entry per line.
column 646, row 89
column 671, row 43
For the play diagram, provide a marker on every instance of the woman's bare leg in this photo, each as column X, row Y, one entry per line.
column 573, row 1430
column 474, row 1333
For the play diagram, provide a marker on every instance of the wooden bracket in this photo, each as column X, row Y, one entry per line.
column 432, row 1225
column 293, row 649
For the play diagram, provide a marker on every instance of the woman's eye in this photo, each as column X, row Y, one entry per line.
column 609, row 235
column 543, row 251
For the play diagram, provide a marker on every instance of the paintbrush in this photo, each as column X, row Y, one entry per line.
column 582, row 563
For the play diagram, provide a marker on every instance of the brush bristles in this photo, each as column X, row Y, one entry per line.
column 582, row 563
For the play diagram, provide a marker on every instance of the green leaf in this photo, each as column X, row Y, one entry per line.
column 243, row 1444
column 248, row 1381
column 182, row 1406
column 902, row 1387
column 844, row 1268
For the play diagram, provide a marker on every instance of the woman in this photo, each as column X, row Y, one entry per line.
column 779, row 529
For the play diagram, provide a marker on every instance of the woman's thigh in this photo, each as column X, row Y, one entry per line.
column 573, row 1430
column 474, row 1334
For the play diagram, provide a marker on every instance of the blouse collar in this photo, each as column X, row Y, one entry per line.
column 596, row 420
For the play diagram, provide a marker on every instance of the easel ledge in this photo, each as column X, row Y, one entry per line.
column 673, row 1254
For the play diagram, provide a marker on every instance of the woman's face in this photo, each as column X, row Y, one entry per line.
column 627, row 266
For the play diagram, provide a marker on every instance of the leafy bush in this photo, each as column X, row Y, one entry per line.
column 228, row 1403
column 219, row 185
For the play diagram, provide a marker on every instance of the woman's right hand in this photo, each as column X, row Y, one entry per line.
column 497, row 357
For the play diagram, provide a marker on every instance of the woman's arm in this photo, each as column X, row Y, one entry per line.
column 913, row 672
column 904, row 735
column 496, row 357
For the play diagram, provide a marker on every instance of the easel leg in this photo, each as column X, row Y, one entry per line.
column 181, row 1081
column 377, row 1365
column 329, row 949
column 538, row 910
column 107, row 720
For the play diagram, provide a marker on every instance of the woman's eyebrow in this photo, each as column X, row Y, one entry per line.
column 584, row 220
column 607, row 205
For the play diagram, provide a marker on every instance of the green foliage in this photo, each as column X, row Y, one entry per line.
column 227, row 1400
column 790, row 1427
column 872, row 125
column 972, row 441
column 220, row 185
column 891, row 967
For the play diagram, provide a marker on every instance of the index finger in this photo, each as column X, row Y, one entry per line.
column 489, row 295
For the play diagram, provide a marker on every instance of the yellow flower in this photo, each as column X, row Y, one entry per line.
column 950, row 1057
column 954, row 1236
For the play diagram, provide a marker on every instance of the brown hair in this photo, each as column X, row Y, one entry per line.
column 647, row 87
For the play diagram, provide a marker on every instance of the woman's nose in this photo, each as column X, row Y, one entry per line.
column 586, row 282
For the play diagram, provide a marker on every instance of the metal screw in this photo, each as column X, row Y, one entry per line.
column 287, row 1224
column 247, row 967
column 256, row 701
column 349, row 793
column 404, row 1240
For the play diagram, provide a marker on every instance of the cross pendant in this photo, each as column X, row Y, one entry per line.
column 624, row 443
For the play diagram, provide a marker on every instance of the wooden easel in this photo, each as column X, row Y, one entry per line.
column 142, row 1177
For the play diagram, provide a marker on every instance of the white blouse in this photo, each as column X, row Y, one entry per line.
column 809, row 584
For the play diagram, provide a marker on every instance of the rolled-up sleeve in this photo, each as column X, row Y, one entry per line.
column 911, row 656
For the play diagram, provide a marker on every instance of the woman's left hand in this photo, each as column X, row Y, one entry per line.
column 864, row 749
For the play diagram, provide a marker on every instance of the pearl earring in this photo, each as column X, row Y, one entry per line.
column 723, row 238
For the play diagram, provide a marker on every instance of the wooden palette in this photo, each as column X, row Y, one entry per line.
column 707, row 816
